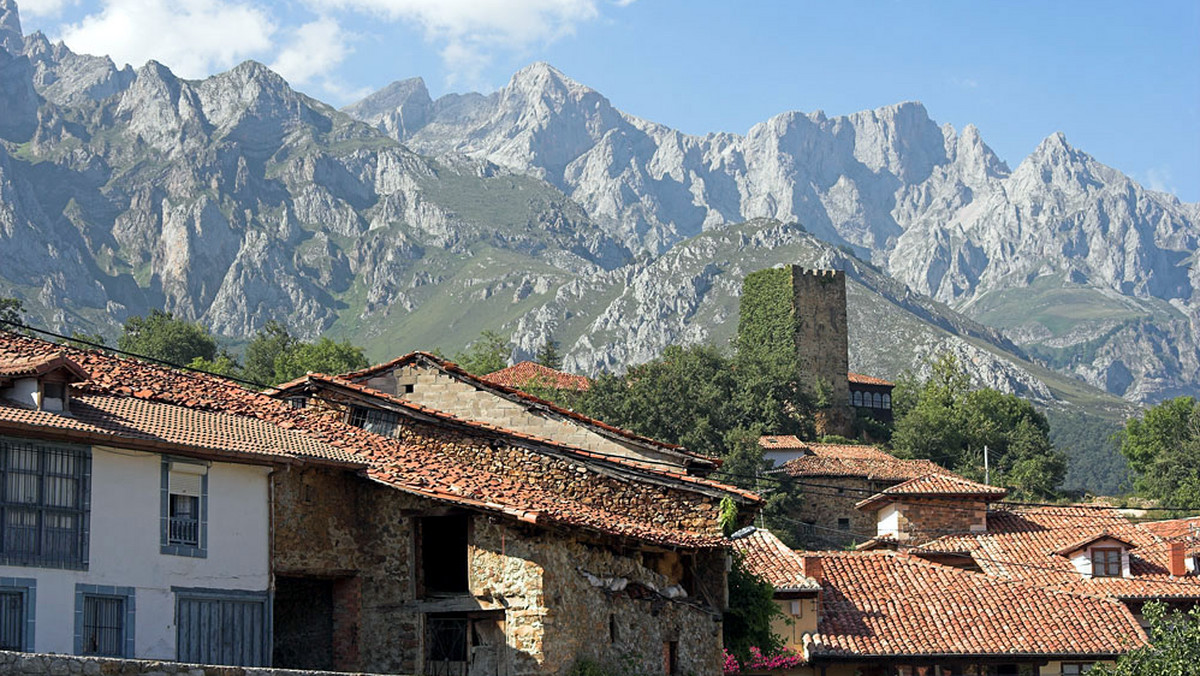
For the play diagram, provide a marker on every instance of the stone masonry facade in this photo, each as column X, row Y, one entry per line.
column 547, row 596
column 37, row 664
column 827, row 516
column 430, row 387
column 924, row 519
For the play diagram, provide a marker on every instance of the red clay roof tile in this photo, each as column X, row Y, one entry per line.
column 528, row 373
column 860, row 379
column 888, row 604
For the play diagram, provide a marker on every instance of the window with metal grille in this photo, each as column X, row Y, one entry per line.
column 43, row 504
column 184, row 493
column 103, row 626
column 374, row 420
column 12, row 620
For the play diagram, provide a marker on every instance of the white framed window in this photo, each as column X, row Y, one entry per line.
column 184, row 508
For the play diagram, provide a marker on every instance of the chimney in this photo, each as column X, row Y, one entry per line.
column 1177, row 567
column 812, row 568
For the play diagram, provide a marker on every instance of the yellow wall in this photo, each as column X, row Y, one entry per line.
column 799, row 618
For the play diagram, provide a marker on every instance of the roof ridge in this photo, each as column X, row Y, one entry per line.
column 574, row 450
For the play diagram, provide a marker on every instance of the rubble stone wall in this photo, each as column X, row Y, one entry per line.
column 333, row 524
column 823, row 507
column 435, row 389
column 663, row 504
column 924, row 519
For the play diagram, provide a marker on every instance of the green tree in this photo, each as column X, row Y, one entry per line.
column 747, row 622
column 1174, row 648
column 1163, row 449
column 323, row 356
column 271, row 343
column 682, row 398
column 11, row 310
column 548, row 356
column 224, row 365
column 948, row 422
column 769, row 390
column 163, row 336
column 487, row 354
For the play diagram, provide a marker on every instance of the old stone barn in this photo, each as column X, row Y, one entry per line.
column 484, row 550
column 430, row 545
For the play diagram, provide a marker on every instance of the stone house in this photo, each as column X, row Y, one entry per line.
column 443, row 547
column 835, row 478
column 134, row 526
column 430, row 381
column 1081, row 549
column 889, row 613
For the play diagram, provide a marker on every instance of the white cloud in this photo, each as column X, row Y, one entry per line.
column 1159, row 179
column 469, row 31
column 193, row 38
column 42, row 8
column 312, row 52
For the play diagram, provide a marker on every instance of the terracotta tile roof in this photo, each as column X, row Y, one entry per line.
column 891, row 605
column 497, row 430
column 1174, row 528
column 860, row 379
column 513, row 394
column 1024, row 544
column 528, row 373
column 935, row 485
column 103, row 418
column 1093, row 538
column 848, row 460
column 16, row 366
column 773, row 561
column 421, row 463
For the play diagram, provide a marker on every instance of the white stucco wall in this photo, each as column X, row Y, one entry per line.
column 889, row 521
column 1082, row 559
column 125, row 541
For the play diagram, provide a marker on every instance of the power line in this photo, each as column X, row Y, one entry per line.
column 125, row 353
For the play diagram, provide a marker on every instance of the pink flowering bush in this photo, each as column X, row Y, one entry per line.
column 785, row 659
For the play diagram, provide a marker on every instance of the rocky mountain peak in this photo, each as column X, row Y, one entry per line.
column 10, row 27
column 399, row 109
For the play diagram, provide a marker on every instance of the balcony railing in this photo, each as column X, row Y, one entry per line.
column 183, row 531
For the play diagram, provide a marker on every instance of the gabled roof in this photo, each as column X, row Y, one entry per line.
column 1092, row 539
column 526, row 373
column 766, row 556
column 524, row 398
column 860, row 379
column 135, row 403
column 18, row 366
column 935, row 485
column 891, row 605
column 847, row 460
column 436, row 416
column 1174, row 528
column 1024, row 544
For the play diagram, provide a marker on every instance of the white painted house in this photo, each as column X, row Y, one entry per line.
column 132, row 527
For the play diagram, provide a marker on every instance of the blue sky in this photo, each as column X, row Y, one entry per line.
column 1120, row 79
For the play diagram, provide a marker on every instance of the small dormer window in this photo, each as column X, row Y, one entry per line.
column 1106, row 562
column 54, row 397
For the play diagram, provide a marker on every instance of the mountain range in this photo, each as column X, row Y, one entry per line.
column 541, row 210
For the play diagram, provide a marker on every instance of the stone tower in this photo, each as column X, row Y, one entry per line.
column 805, row 311
column 822, row 348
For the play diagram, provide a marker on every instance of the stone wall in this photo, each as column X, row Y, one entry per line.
column 695, row 509
column 924, row 519
column 551, row 595
column 822, row 343
column 72, row 665
column 823, row 507
column 431, row 387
